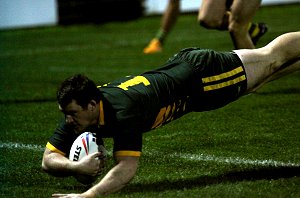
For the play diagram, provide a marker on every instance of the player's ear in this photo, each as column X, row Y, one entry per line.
column 92, row 105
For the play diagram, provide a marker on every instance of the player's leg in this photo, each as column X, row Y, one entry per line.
column 212, row 13
column 168, row 20
column 280, row 57
column 170, row 17
column 242, row 12
column 283, row 72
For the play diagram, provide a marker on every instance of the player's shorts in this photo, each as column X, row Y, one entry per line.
column 218, row 77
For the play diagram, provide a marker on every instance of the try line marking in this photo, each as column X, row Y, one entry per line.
column 185, row 156
column 13, row 145
column 234, row 160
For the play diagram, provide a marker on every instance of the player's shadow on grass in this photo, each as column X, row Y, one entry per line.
column 279, row 91
column 270, row 173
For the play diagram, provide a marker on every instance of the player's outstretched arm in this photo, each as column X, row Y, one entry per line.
column 116, row 178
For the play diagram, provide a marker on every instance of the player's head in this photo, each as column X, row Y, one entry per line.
column 78, row 88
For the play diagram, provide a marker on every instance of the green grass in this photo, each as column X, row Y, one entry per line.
column 261, row 126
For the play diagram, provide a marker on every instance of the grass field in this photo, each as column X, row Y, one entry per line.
column 250, row 148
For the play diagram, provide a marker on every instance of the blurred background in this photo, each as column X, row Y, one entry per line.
column 33, row 13
column 245, row 149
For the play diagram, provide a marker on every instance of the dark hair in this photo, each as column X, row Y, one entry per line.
column 79, row 88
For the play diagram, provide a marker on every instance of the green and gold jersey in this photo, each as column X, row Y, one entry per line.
column 192, row 80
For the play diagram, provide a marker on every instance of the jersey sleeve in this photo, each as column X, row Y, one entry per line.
column 128, row 143
column 61, row 140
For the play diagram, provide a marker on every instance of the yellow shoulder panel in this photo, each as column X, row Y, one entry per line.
column 54, row 149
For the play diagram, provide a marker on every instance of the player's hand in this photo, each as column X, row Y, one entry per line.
column 91, row 165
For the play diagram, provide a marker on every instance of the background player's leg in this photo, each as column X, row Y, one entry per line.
column 242, row 12
column 168, row 20
column 211, row 14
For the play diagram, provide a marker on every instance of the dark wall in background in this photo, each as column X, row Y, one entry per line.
column 98, row 11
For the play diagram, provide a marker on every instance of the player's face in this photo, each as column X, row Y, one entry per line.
column 78, row 117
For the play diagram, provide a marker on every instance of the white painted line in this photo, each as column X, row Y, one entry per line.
column 226, row 160
column 185, row 156
column 234, row 160
column 13, row 145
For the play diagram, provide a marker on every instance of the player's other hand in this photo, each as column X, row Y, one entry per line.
column 91, row 165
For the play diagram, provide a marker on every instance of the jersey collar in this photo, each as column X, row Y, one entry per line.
column 101, row 116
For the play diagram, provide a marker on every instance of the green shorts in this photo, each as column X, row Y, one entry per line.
column 216, row 78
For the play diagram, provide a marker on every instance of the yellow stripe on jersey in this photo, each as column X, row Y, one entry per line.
column 128, row 153
column 224, row 84
column 134, row 81
column 223, row 75
column 54, row 149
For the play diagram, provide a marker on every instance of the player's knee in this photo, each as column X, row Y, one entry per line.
column 209, row 23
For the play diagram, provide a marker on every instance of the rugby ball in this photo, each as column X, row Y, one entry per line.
column 83, row 145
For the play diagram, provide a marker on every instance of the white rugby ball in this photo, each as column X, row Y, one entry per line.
column 83, row 145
